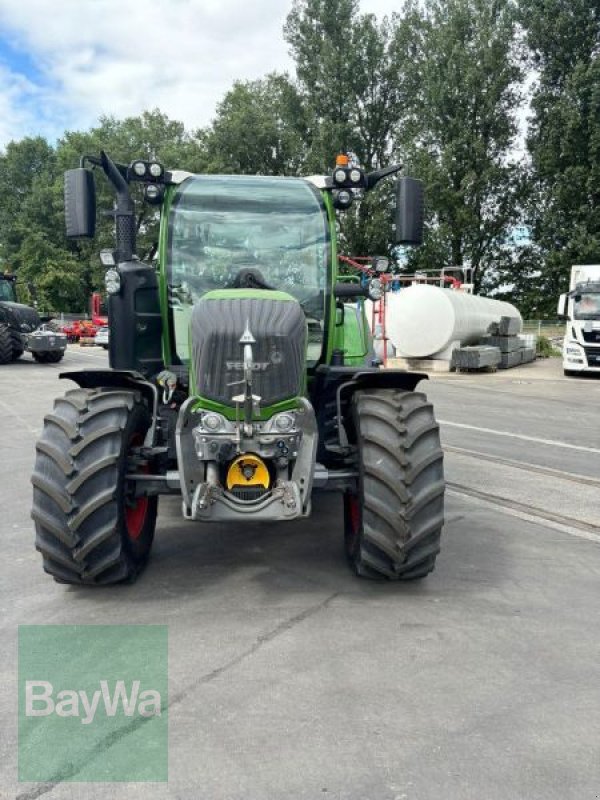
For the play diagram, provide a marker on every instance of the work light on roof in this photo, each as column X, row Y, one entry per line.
column 155, row 169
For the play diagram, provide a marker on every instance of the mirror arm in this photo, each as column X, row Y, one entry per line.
column 373, row 178
column 96, row 161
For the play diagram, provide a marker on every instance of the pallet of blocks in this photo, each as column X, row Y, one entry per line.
column 476, row 357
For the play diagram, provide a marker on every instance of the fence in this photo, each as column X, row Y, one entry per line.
column 551, row 328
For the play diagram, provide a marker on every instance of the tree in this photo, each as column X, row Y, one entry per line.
column 564, row 138
column 260, row 128
column 348, row 71
column 347, row 75
column 462, row 79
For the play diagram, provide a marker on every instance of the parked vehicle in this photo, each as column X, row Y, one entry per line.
column 244, row 380
column 101, row 338
column 21, row 329
column 581, row 307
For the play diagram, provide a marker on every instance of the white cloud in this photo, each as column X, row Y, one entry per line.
column 123, row 56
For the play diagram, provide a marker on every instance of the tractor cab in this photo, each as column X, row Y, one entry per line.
column 7, row 289
column 247, row 232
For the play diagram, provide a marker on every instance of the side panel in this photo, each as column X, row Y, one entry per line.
column 352, row 334
column 162, row 277
column 330, row 319
column 135, row 321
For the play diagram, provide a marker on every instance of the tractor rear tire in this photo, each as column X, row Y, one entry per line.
column 17, row 345
column 49, row 356
column 393, row 523
column 6, row 345
column 90, row 529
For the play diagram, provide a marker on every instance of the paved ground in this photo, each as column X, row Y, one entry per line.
column 291, row 678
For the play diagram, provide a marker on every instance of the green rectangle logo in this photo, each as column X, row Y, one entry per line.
column 93, row 703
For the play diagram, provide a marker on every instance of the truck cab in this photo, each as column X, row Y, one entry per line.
column 581, row 307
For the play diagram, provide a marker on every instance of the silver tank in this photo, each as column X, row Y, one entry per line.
column 426, row 321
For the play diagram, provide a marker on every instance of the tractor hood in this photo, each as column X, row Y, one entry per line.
column 275, row 325
column 19, row 317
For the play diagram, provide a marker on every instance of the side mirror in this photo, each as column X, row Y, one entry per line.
column 562, row 305
column 80, row 203
column 410, row 211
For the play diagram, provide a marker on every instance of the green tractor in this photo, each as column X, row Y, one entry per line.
column 22, row 329
column 242, row 379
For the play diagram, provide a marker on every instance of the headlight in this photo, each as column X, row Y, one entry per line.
column 112, row 281
column 153, row 193
column 375, row 289
column 139, row 167
column 573, row 351
column 155, row 169
column 284, row 423
column 380, row 264
column 107, row 258
column 355, row 175
column 339, row 176
column 212, row 422
column 342, row 199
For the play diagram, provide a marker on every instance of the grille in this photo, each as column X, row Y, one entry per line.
column 593, row 356
column 249, row 493
column 279, row 328
column 591, row 336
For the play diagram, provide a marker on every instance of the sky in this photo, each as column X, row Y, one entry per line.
column 65, row 63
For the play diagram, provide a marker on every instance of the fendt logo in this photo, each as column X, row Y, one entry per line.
column 275, row 358
column 40, row 701
column 89, row 697
column 257, row 366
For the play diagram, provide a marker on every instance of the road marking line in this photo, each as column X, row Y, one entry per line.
column 559, row 474
column 521, row 436
column 581, row 530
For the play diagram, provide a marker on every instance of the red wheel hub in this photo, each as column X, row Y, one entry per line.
column 354, row 511
column 137, row 508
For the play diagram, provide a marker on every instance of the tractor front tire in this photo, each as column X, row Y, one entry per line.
column 6, row 345
column 90, row 528
column 49, row 356
column 393, row 523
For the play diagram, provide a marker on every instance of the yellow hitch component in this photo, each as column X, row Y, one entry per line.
column 248, row 470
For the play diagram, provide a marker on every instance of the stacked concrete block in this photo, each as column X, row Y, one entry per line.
column 511, row 359
column 476, row 357
column 508, row 326
column 527, row 355
column 506, row 344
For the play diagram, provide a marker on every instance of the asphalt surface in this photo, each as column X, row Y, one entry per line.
column 289, row 677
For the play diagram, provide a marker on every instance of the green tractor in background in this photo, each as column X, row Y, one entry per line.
column 242, row 378
column 22, row 329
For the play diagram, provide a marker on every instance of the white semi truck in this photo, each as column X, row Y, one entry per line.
column 581, row 307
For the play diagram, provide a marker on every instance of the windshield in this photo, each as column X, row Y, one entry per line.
column 7, row 291
column 232, row 231
column 586, row 306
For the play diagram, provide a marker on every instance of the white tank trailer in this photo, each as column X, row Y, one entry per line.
column 429, row 322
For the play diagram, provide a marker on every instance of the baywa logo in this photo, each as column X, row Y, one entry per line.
column 90, row 696
column 40, row 702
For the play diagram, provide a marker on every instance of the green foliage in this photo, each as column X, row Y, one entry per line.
column 32, row 238
column 545, row 348
column 564, row 137
column 436, row 86
column 260, row 129
column 463, row 78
